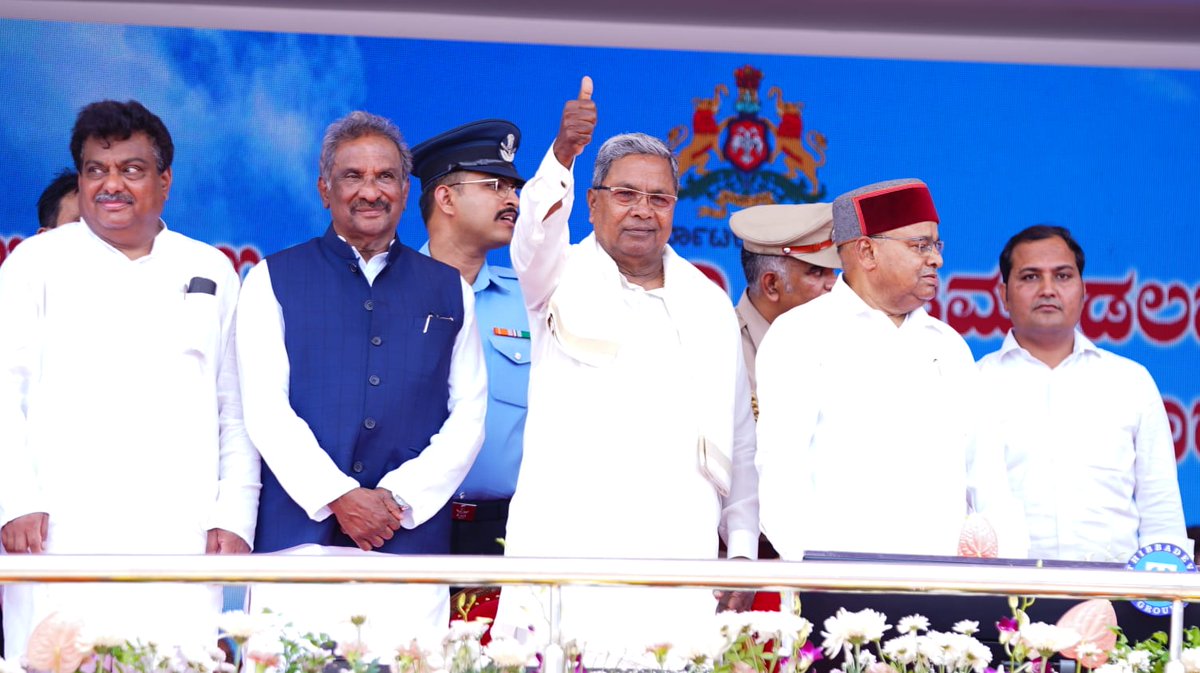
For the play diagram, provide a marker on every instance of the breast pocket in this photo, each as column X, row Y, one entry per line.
column 508, row 369
column 431, row 342
column 198, row 327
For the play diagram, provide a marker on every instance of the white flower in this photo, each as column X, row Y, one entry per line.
column 702, row 648
column 96, row 640
column 942, row 649
column 733, row 624
column 463, row 630
column 1190, row 658
column 977, row 655
column 903, row 649
column 263, row 649
column 967, row 627
column 777, row 624
column 241, row 626
column 1138, row 660
column 913, row 624
column 1086, row 649
column 1047, row 638
column 509, row 653
column 852, row 628
column 10, row 667
column 197, row 657
column 1113, row 667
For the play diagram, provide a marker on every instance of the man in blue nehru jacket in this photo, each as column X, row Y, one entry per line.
column 469, row 204
column 365, row 389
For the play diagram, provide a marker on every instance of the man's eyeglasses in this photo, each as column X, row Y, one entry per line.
column 502, row 187
column 628, row 197
column 922, row 244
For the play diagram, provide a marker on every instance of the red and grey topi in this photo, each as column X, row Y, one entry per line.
column 881, row 207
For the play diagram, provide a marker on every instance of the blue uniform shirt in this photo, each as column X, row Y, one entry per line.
column 504, row 331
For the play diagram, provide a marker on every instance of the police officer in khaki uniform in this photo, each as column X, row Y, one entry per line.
column 789, row 259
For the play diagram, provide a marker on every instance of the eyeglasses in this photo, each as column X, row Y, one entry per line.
column 628, row 197
column 924, row 245
column 502, row 187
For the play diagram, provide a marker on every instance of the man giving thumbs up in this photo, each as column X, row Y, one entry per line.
column 639, row 442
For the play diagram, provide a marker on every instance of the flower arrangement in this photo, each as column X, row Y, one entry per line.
column 747, row 642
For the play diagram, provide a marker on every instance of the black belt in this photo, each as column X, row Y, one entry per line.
column 483, row 510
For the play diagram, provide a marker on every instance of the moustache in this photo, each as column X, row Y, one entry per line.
column 379, row 203
column 500, row 215
column 113, row 198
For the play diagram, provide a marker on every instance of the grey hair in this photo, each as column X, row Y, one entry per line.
column 756, row 265
column 626, row 144
column 356, row 125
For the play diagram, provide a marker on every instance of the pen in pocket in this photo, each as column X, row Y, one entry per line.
column 431, row 316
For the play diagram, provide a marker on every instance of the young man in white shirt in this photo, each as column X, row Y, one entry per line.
column 1087, row 442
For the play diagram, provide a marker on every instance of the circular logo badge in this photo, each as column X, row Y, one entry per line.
column 1162, row 558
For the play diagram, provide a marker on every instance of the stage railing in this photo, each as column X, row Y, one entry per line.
column 950, row 579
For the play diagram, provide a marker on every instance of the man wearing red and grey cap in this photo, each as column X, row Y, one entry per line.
column 876, row 451
column 789, row 259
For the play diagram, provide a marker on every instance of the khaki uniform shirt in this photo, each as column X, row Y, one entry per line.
column 753, row 327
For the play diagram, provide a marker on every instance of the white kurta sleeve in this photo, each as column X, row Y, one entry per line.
column 541, row 238
column 240, row 475
column 286, row 443
column 427, row 481
column 1156, row 485
column 788, row 407
column 19, row 361
column 739, row 516
column 988, row 489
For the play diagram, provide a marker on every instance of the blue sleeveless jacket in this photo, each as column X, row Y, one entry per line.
column 369, row 371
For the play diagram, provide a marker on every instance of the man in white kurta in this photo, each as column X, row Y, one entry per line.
column 639, row 440
column 120, row 415
column 1086, row 438
column 875, row 451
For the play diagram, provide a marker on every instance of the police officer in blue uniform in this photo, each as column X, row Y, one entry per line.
column 469, row 204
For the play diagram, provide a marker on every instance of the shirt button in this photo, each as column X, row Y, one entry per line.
column 369, row 423
column 353, row 268
column 375, row 341
column 357, row 466
column 373, row 379
column 516, row 356
column 369, row 304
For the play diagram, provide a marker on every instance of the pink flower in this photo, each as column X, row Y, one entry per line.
column 810, row 653
column 54, row 645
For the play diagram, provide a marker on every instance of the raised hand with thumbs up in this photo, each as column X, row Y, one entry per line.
column 578, row 124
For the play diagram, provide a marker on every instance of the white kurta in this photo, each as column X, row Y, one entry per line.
column 397, row 613
column 120, row 416
column 866, row 434
column 1089, row 451
column 610, row 468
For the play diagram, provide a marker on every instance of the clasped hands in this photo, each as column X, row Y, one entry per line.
column 369, row 516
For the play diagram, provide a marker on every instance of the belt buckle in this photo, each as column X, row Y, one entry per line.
column 463, row 511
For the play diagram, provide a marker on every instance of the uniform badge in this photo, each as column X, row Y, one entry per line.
column 508, row 150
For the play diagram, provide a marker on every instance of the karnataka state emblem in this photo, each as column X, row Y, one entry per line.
column 750, row 145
